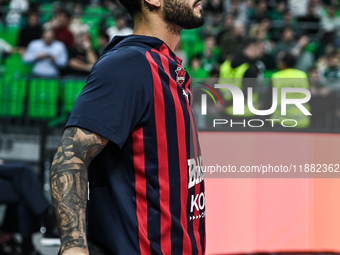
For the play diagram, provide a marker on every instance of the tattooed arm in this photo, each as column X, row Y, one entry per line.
column 69, row 186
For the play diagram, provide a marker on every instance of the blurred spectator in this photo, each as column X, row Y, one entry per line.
column 289, row 44
column 316, row 88
column 181, row 53
column 330, row 24
column 332, row 71
column 230, row 43
column 238, row 9
column 76, row 24
column 21, row 191
column 243, row 64
column 245, row 59
column 322, row 101
column 31, row 31
column 103, row 41
column 120, row 28
column 81, row 57
column 279, row 11
column 310, row 21
column 16, row 9
column 195, row 69
column 259, row 12
column 305, row 58
column 47, row 55
column 60, row 25
column 226, row 29
column 211, row 54
column 289, row 77
column 298, row 8
column 3, row 6
column 241, row 70
column 260, row 33
column 214, row 7
column 287, row 40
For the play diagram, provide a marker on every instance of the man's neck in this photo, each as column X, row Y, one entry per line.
column 156, row 27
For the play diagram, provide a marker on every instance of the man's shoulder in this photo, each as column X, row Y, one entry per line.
column 126, row 56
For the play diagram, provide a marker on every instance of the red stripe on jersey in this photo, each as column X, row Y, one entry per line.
column 140, row 186
column 165, row 50
column 162, row 151
column 181, row 140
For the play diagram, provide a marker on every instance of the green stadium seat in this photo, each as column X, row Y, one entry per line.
column 15, row 67
column 95, row 10
column 12, row 97
column 71, row 91
column 10, row 34
column 46, row 7
column 192, row 44
column 43, row 98
column 93, row 23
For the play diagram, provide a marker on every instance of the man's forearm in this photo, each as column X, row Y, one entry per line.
column 69, row 185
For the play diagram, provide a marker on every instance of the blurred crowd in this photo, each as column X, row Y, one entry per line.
column 309, row 29
column 65, row 38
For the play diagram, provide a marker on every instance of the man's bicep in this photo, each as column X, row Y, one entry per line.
column 78, row 146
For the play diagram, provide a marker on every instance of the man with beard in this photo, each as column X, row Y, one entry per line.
column 132, row 136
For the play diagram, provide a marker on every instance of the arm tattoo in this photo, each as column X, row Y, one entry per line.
column 69, row 184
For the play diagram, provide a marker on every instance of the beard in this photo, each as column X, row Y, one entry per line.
column 179, row 15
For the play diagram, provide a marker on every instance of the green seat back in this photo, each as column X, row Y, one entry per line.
column 15, row 67
column 92, row 21
column 10, row 34
column 12, row 97
column 43, row 98
column 72, row 89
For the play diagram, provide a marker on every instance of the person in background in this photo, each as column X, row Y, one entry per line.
column 103, row 41
column 196, row 69
column 332, row 72
column 214, row 7
column 260, row 11
column 120, row 28
column 60, row 26
column 330, row 24
column 232, row 42
column 287, row 41
column 81, row 57
column 226, row 28
column 310, row 21
column 242, row 69
column 289, row 77
column 76, row 24
column 322, row 100
column 211, row 53
column 277, row 13
column 47, row 55
column 31, row 31
column 21, row 191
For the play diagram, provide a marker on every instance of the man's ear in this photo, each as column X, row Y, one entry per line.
column 152, row 3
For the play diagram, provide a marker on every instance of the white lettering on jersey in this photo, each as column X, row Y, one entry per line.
column 195, row 171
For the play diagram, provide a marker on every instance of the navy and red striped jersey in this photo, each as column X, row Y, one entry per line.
column 146, row 186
